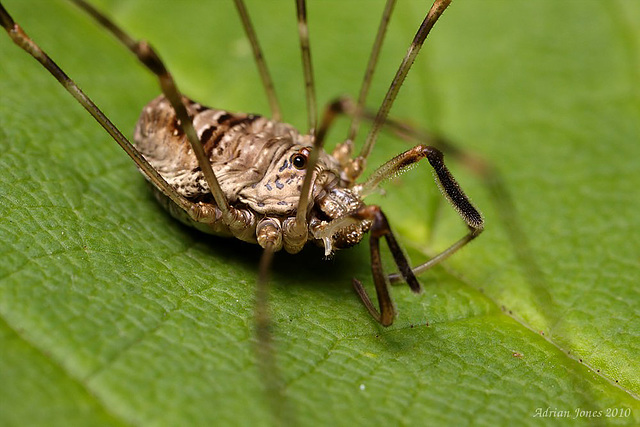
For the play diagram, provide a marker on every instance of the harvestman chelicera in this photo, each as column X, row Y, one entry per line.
column 245, row 176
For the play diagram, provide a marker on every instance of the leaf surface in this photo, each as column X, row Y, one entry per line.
column 114, row 314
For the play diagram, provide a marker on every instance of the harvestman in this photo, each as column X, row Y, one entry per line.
column 245, row 176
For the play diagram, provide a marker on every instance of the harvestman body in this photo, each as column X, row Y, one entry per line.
column 245, row 176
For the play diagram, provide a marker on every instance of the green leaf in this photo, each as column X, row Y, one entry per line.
column 113, row 313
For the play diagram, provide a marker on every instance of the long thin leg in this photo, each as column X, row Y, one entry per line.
column 498, row 191
column 262, row 319
column 380, row 228
column 309, row 85
column 343, row 151
column 368, row 76
column 435, row 12
column 274, row 385
column 449, row 187
column 145, row 53
column 23, row 41
column 276, row 114
column 296, row 229
column 329, row 114
column 333, row 108
column 269, row 236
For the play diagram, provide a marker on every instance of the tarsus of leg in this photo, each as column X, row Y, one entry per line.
column 435, row 12
column 267, row 83
column 23, row 41
column 152, row 61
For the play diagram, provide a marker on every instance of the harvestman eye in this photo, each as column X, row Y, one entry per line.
column 299, row 161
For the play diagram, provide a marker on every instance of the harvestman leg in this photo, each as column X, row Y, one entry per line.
column 344, row 150
column 296, row 229
column 21, row 39
column 231, row 217
column 147, row 55
column 477, row 165
column 380, row 228
column 267, row 82
column 446, row 181
column 149, row 58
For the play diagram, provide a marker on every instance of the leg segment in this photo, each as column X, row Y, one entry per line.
column 435, row 12
column 335, row 108
column 296, row 229
column 380, row 228
column 276, row 114
column 490, row 176
column 147, row 55
column 449, row 187
column 270, row 238
column 274, row 385
column 24, row 42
